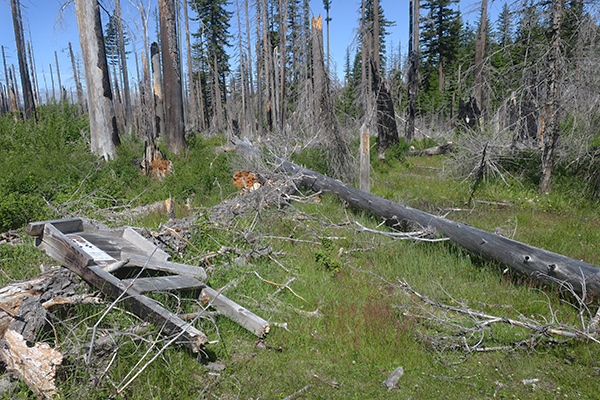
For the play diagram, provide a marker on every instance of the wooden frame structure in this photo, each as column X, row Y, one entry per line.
column 95, row 253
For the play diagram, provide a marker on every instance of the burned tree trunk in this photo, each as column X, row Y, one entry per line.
column 173, row 98
column 159, row 110
column 28, row 99
column 103, row 123
column 324, row 116
column 387, row 129
column 413, row 68
column 537, row 263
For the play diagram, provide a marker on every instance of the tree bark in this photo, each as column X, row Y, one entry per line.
column 387, row 130
column 413, row 69
column 28, row 99
column 173, row 99
column 159, row 111
column 103, row 123
column 552, row 102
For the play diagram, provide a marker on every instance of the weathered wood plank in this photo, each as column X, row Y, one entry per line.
column 145, row 245
column 61, row 248
column 234, row 311
column 63, row 225
column 164, row 283
column 166, row 266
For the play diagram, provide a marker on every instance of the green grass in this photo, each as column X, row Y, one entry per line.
column 368, row 325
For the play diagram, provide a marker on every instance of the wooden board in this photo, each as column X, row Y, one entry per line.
column 163, row 283
column 239, row 314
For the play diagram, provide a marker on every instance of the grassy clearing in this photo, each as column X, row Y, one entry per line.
column 366, row 325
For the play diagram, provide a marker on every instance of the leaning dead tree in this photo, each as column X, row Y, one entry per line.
column 103, row 122
column 546, row 266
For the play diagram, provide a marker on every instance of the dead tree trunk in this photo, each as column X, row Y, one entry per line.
column 479, row 55
column 193, row 110
column 60, row 88
column 80, row 100
column 552, row 106
column 124, row 72
column 251, row 82
column 28, row 99
column 325, row 120
column 103, row 123
column 173, row 99
column 159, row 111
column 413, row 68
column 387, row 129
column 534, row 262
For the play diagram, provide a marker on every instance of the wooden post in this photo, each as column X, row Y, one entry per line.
column 365, row 160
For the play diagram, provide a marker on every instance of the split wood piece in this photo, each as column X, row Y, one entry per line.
column 64, row 250
column 163, row 283
column 433, row 151
column 546, row 266
column 36, row 365
column 234, row 311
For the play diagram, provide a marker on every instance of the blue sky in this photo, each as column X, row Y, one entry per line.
column 49, row 33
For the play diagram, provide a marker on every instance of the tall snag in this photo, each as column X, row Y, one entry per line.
column 22, row 55
column 325, row 121
column 552, row 106
column 413, row 68
column 103, row 123
column 173, row 99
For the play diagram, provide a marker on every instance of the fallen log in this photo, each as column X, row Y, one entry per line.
column 432, row 151
column 546, row 266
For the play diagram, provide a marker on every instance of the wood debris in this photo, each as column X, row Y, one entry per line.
column 36, row 365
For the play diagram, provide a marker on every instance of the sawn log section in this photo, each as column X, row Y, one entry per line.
column 531, row 261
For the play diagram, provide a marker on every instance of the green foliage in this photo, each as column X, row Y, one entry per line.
column 326, row 258
column 312, row 158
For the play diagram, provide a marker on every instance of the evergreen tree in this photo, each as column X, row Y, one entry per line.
column 440, row 40
column 212, row 39
column 111, row 41
column 505, row 26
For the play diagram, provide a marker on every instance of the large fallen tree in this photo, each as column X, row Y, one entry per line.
column 546, row 266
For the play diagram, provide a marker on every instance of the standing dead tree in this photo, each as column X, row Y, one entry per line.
column 324, row 116
column 103, row 122
column 26, row 86
column 173, row 98
column 552, row 103
column 413, row 68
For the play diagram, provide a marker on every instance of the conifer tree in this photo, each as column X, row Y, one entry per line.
column 213, row 35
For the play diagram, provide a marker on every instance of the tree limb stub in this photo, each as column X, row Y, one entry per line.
column 540, row 264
